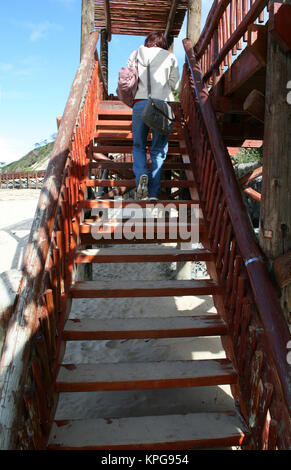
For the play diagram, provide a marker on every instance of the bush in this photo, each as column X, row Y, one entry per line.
column 248, row 155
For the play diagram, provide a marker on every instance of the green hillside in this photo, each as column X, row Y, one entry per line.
column 35, row 159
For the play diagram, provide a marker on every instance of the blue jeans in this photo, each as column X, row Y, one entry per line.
column 159, row 151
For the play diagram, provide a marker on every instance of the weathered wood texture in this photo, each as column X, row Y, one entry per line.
column 198, row 430
column 139, row 18
column 275, row 216
column 275, row 209
column 87, row 22
column 194, row 20
column 144, row 375
column 142, row 328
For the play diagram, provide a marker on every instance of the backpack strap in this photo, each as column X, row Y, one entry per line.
column 149, row 80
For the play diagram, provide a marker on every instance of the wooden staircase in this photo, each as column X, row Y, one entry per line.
column 203, row 429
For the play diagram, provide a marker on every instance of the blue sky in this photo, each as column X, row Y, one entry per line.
column 40, row 53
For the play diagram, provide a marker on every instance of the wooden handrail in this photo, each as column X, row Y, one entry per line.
column 225, row 26
column 275, row 327
column 214, row 15
column 37, row 261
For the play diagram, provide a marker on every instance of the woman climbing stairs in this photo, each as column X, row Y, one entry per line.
column 202, row 429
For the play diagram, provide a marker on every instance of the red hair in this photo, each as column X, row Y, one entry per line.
column 156, row 38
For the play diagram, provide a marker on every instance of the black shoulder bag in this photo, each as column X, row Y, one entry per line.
column 157, row 114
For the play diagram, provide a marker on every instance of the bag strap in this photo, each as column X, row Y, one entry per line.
column 149, row 81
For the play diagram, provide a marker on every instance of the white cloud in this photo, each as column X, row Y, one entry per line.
column 40, row 30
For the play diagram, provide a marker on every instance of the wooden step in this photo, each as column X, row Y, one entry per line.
column 110, row 183
column 153, row 255
column 140, row 231
column 91, row 329
column 187, row 431
column 119, row 203
column 127, row 149
column 144, row 375
column 124, row 135
column 157, row 288
column 119, row 124
column 113, row 165
column 113, row 124
column 114, row 108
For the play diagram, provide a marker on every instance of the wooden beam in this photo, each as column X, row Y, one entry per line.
column 275, row 214
column 104, row 56
column 107, row 19
column 255, row 105
column 171, row 18
column 245, row 66
column 276, row 191
column 194, row 20
column 279, row 24
column 87, row 22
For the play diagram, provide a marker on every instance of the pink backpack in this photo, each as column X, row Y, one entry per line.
column 127, row 83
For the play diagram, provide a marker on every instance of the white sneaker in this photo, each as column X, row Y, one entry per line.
column 142, row 189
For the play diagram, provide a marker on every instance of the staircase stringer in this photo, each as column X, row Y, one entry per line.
column 33, row 343
column 249, row 304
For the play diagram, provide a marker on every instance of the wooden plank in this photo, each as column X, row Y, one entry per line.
column 127, row 149
column 114, row 165
column 93, row 329
column 113, row 124
column 145, row 230
column 144, row 375
column 244, row 67
column 109, row 135
column 190, row 431
column 158, row 288
column 153, row 255
column 132, row 184
column 171, row 18
column 122, row 203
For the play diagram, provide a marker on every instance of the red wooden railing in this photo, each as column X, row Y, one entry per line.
column 225, row 29
column 32, row 348
column 22, row 179
column 258, row 330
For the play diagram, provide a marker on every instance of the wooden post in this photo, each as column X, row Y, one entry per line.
column 87, row 22
column 104, row 55
column 194, row 21
column 275, row 218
